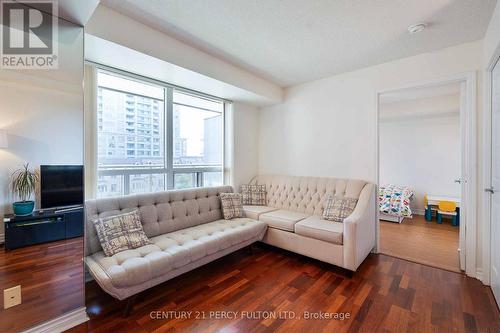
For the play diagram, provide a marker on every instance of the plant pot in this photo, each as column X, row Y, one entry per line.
column 23, row 208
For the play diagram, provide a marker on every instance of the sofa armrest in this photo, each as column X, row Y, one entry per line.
column 359, row 229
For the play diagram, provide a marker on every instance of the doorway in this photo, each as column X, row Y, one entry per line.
column 425, row 132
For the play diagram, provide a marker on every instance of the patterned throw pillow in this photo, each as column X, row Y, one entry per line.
column 120, row 232
column 254, row 195
column 337, row 209
column 231, row 205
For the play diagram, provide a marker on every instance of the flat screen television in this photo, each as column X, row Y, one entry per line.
column 61, row 186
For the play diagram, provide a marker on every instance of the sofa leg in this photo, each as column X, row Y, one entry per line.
column 129, row 306
column 250, row 249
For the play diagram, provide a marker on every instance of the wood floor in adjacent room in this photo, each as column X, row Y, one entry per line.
column 421, row 241
column 385, row 295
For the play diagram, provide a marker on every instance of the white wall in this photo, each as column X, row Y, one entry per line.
column 42, row 114
column 420, row 146
column 327, row 127
column 492, row 37
column 44, row 126
column 244, row 144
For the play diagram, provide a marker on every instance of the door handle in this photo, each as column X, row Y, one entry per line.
column 490, row 189
column 458, row 181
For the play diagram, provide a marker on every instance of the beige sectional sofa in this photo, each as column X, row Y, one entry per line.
column 187, row 230
column 185, row 227
column 293, row 215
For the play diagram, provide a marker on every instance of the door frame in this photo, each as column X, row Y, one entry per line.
column 486, row 161
column 468, row 119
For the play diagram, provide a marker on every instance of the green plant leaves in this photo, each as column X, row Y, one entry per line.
column 24, row 182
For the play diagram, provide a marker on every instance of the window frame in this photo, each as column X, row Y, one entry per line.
column 169, row 169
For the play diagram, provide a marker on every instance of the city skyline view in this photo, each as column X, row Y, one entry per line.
column 132, row 134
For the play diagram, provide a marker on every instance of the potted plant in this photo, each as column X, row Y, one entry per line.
column 23, row 186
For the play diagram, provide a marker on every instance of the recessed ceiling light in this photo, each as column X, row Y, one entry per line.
column 413, row 29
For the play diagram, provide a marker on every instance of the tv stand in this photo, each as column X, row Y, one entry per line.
column 43, row 226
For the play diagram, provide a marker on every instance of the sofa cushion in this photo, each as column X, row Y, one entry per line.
column 120, row 232
column 253, row 212
column 338, row 209
column 254, row 195
column 232, row 206
column 282, row 219
column 317, row 228
column 176, row 249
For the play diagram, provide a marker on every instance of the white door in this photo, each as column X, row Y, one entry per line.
column 463, row 177
column 495, row 183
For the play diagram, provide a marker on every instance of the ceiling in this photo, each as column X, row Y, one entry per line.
column 105, row 52
column 77, row 11
column 293, row 41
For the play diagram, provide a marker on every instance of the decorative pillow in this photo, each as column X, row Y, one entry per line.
column 337, row 209
column 254, row 195
column 120, row 232
column 232, row 206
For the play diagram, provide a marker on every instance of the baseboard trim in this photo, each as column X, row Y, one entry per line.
column 479, row 275
column 62, row 323
column 418, row 211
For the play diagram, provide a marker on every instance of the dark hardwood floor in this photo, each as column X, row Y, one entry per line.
column 385, row 295
column 51, row 279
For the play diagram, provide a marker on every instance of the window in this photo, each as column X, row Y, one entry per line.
column 185, row 180
column 197, row 131
column 133, row 132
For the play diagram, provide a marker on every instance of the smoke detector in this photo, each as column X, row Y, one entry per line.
column 416, row 28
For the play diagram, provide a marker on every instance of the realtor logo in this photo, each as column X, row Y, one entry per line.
column 29, row 34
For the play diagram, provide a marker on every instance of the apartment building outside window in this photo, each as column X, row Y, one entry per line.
column 153, row 137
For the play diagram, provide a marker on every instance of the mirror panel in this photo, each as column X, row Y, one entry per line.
column 41, row 122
